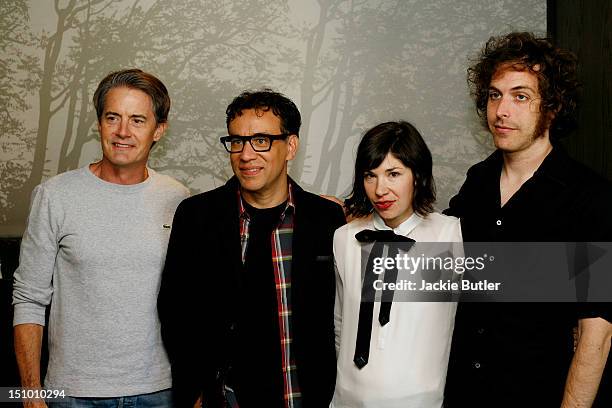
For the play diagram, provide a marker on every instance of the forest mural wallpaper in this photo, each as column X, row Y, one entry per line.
column 348, row 65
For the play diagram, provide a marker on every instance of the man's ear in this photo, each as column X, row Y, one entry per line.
column 550, row 117
column 159, row 131
column 293, row 142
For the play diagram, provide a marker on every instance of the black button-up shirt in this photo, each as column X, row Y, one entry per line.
column 518, row 354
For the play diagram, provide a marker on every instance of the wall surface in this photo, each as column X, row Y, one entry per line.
column 348, row 64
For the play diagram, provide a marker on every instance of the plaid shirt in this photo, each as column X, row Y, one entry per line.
column 281, row 238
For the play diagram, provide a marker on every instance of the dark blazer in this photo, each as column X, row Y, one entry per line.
column 201, row 287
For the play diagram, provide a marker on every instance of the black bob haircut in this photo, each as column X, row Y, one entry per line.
column 265, row 100
column 405, row 143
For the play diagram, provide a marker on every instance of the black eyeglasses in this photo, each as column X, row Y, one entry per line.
column 260, row 142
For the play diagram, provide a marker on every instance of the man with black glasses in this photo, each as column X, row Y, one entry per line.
column 247, row 295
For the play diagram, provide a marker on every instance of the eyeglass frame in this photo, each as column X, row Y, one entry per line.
column 282, row 136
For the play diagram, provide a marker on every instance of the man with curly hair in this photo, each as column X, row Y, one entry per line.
column 529, row 189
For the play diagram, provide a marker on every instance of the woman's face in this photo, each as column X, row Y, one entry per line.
column 390, row 189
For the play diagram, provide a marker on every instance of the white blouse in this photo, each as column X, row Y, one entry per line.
column 409, row 355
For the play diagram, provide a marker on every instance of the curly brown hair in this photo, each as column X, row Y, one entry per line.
column 555, row 68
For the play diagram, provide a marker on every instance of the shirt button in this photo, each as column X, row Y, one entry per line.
column 498, row 222
column 476, row 364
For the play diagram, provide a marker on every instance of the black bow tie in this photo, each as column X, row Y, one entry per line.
column 366, row 308
column 381, row 236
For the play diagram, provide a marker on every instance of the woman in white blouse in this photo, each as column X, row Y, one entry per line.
column 407, row 359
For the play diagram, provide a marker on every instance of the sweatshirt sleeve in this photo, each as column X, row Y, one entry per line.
column 32, row 284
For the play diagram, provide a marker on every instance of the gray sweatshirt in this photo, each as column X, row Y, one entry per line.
column 95, row 251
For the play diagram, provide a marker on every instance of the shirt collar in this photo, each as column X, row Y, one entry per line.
column 290, row 201
column 404, row 228
column 554, row 167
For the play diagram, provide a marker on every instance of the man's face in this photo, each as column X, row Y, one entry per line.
column 513, row 110
column 261, row 174
column 128, row 128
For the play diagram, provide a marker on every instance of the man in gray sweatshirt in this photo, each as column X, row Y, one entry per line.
column 93, row 250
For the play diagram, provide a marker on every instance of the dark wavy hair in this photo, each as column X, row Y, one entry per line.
column 405, row 143
column 265, row 100
column 135, row 79
column 555, row 68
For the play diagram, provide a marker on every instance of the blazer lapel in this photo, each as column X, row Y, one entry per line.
column 228, row 227
column 302, row 248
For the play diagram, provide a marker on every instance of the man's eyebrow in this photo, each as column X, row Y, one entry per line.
column 514, row 89
column 260, row 134
column 136, row 115
column 522, row 88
